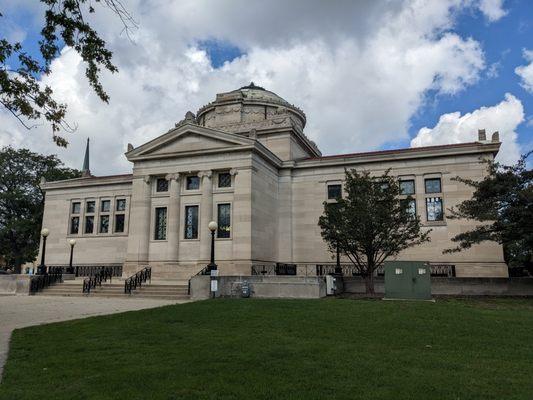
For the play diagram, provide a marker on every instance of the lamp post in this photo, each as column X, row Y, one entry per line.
column 72, row 243
column 42, row 268
column 212, row 227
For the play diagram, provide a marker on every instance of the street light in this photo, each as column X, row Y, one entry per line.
column 72, row 243
column 42, row 268
column 212, row 227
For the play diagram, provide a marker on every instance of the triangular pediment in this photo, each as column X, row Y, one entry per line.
column 189, row 139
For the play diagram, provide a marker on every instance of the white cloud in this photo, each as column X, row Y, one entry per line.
column 492, row 9
column 359, row 70
column 503, row 117
column 526, row 71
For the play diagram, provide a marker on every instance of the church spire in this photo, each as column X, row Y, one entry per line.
column 86, row 171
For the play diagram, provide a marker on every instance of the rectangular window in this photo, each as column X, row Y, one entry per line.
column 89, row 224
column 193, row 183
column 74, row 225
column 161, row 185
column 105, row 206
column 224, row 180
column 433, row 185
column 104, row 224
column 407, row 187
column 160, row 223
column 91, row 206
column 76, row 208
column 121, row 205
column 434, row 209
column 119, row 223
column 191, row 222
column 224, row 221
column 334, row 192
column 411, row 206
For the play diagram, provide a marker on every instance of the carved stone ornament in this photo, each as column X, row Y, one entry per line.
column 233, row 171
column 253, row 134
column 206, row 173
column 189, row 119
column 130, row 147
column 170, row 177
column 147, row 179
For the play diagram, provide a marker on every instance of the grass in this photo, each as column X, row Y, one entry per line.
column 281, row 349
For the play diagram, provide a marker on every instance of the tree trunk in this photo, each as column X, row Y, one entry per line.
column 369, row 283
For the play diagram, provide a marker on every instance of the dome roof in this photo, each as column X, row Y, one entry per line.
column 253, row 95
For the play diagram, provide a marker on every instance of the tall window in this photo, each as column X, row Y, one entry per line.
column 407, row 187
column 224, row 180
column 224, row 221
column 76, row 208
column 434, row 209
column 121, row 205
column 191, row 222
column 74, row 225
column 90, row 207
column 119, row 223
column 89, row 224
column 334, row 192
column 433, row 185
column 105, row 206
column 160, row 223
column 192, row 183
column 161, row 185
column 411, row 206
column 104, row 223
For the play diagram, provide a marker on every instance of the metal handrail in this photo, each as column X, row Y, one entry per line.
column 137, row 279
column 103, row 274
column 39, row 282
column 322, row 269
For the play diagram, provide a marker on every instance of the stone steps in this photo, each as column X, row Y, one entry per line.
column 168, row 291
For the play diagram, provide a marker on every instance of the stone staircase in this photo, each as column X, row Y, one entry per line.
column 163, row 290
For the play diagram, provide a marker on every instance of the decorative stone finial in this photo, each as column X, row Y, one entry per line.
column 130, row 147
column 189, row 119
column 496, row 137
column 42, row 181
column 482, row 136
column 253, row 134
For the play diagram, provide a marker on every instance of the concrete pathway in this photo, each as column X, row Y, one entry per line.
column 21, row 311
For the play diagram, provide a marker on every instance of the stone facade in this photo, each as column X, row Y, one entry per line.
column 245, row 156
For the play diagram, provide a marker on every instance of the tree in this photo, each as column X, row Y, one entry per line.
column 371, row 223
column 22, row 201
column 503, row 203
column 22, row 94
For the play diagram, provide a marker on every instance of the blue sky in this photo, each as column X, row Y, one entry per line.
column 369, row 75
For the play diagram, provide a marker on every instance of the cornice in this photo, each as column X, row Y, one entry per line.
column 399, row 154
column 88, row 181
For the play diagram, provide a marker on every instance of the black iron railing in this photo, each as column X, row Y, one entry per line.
column 92, row 270
column 39, row 282
column 137, row 279
column 437, row 270
column 443, row 270
column 102, row 275
column 274, row 269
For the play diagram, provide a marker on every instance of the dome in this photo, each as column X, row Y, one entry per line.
column 234, row 111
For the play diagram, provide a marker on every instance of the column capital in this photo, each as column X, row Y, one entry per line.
column 206, row 173
column 233, row 171
column 147, row 179
column 174, row 176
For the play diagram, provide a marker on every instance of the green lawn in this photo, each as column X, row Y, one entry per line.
column 282, row 349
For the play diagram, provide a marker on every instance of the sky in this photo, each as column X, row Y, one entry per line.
column 370, row 75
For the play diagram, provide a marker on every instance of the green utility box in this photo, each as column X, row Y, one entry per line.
column 407, row 280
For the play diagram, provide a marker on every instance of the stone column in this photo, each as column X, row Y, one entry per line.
column 173, row 217
column 139, row 224
column 206, row 214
